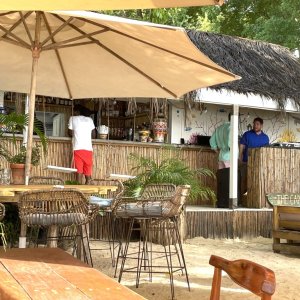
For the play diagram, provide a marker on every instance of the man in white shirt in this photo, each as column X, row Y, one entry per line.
column 82, row 128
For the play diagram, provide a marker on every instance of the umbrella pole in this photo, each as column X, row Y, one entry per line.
column 35, row 58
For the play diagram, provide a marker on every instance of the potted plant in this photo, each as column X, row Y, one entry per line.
column 170, row 169
column 10, row 125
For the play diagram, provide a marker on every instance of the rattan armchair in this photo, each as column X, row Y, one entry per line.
column 59, row 208
column 46, row 180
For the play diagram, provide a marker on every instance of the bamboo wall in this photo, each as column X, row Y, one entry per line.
column 229, row 224
column 112, row 157
column 272, row 170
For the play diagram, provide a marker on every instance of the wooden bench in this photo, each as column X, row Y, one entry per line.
column 51, row 273
column 286, row 222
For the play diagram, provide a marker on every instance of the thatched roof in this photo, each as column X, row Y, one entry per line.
column 266, row 69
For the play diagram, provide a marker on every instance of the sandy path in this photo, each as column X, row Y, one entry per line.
column 197, row 253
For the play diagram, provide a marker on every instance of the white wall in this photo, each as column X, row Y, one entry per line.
column 213, row 115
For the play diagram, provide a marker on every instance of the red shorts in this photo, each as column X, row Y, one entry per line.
column 83, row 160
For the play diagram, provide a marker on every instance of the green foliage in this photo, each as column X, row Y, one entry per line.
column 13, row 124
column 171, row 169
column 274, row 21
column 12, row 225
column 72, row 182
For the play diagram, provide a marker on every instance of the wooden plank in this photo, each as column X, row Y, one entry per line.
column 290, row 248
column 47, row 273
column 9, row 287
column 286, row 234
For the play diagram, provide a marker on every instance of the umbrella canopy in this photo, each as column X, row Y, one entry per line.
column 100, row 4
column 84, row 54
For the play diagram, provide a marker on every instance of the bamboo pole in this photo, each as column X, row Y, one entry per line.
column 35, row 58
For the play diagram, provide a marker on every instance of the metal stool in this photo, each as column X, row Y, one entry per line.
column 157, row 214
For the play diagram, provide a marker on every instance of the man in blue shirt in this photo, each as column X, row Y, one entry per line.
column 254, row 138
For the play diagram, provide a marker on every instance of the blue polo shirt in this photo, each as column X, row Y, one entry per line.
column 252, row 140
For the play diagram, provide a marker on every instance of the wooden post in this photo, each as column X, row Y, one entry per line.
column 234, row 152
column 25, row 131
column 35, row 57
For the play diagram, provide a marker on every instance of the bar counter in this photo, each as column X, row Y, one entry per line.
column 111, row 156
column 272, row 170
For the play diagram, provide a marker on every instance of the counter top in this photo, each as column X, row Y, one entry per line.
column 127, row 143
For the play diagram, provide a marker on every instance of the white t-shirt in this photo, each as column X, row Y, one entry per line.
column 82, row 128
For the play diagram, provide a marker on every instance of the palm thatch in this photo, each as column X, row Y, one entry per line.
column 266, row 69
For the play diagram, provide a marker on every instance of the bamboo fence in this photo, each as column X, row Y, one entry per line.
column 112, row 157
column 272, row 170
column 218, row 223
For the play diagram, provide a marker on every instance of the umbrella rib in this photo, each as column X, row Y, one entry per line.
column 7, row 13
column 56, row 45
column 58, row 56
column 8, row 32
column 68, row 46
column 8, row 40
column 160, row 48
column 26, row 28
column 60, row 28
column 98, row 43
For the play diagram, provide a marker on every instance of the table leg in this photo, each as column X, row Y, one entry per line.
column 22, row 237
column 52, row 234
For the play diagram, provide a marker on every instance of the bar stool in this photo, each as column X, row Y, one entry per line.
column 157, row 213
column 102, row 229
column 57, row 210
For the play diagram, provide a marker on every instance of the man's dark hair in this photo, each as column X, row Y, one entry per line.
column 260, row 120
column 83, row 111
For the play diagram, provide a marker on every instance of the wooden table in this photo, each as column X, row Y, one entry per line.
column 51, row 273
column 10, row 193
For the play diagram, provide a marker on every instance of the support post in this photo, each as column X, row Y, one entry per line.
column 234, row 153
column 35, row 58
column 25, row 130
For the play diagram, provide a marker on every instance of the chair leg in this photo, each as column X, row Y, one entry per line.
column 83, row 230
column 216, row 285
column 178, row 238
column 168, row 254
column 125, row 252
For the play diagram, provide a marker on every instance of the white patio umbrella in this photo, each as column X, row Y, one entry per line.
column 100, row 4
column 83, row 54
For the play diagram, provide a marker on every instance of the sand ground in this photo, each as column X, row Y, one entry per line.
column 197, row 253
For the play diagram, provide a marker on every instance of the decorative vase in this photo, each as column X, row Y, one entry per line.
column 17, row 173
column 144, row 134
column 160, row 128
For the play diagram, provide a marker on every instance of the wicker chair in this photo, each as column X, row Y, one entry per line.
column 157, row 212
column 46, row 180
column 60, row 212
column 102, row 228
column 2, row 211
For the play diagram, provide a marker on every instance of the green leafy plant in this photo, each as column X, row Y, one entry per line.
column 14, row 124
column 170, row 169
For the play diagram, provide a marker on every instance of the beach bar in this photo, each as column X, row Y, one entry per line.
column 188, row 125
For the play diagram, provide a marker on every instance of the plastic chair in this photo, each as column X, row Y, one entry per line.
column 64, row 214
column 254, row 277
column 102, row 229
